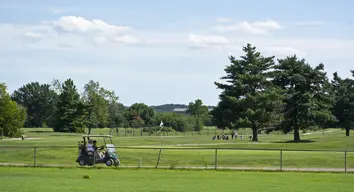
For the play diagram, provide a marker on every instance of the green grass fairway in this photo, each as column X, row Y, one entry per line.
column 333, row 139
column 71, row 180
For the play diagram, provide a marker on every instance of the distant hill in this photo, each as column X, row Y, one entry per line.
column 171, row 107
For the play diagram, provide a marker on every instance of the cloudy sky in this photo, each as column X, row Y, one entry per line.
column 160, row 51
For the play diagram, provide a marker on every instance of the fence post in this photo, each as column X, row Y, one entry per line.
column 281, row 160
column 34, row 156
column 216, row 158
column 94, row 158
column 345, row 161
column 158, row 158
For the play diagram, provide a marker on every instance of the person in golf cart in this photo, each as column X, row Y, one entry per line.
column 95, row 148
column 90, row 145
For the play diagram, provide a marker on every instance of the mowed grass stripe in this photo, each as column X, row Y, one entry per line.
column 71, row 180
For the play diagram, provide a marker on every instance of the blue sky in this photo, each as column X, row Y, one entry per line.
column 160, row 52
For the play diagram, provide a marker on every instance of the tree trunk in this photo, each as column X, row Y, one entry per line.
column 347, row 131
column 296, row 134
column 255, row 134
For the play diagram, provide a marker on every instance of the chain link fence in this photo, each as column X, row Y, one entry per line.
column 191, row 158
column 206, row 131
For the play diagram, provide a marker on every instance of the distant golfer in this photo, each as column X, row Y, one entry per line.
column 236, row 135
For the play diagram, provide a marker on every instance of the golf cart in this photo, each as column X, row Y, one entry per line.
column 90, row 155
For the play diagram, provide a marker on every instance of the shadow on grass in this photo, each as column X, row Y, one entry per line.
column 292, row 141
column 40, row 131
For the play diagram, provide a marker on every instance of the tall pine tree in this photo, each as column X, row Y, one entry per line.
column 344, row 106
column 71, row 111
column 250, row 96
column 308, row 99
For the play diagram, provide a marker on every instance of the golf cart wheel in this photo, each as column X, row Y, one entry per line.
column 82, row 162
column 116, row 162
column 109, row 162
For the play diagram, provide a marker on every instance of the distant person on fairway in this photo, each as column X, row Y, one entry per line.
column 236, row 134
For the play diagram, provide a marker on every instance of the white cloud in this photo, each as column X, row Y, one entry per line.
column 127, row 39
column 267, row 25
column 224, row 20
column 207, row 39
column 311, row 23
column 55, row 10
column 80, row 24
column 33, row 35
column 284, row 51
column 100, row 39
column 79, row 32
column 255, row 28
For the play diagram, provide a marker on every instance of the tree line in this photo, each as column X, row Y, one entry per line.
column 59, row 105
column 263, row 93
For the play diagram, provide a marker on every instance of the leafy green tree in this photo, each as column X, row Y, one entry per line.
column 116, row 114
column 344, row 101
column 40, row 102
column 250, row 96
column 71, row 112
column 178, row 122
column 99, row 99
column 140, row 110
column 12, row 115
column 166, row 117
column 308, row 99
column 200, row 113
column 137, row 123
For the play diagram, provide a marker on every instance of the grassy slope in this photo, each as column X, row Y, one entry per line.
column 334, row 140
column 71, row 180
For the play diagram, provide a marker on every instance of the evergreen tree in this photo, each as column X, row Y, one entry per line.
column 344, row 101
column 71, row 111
column 250, row 96
column 308, row 100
